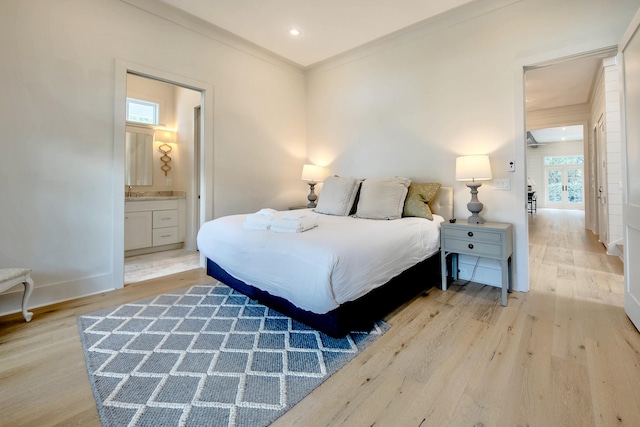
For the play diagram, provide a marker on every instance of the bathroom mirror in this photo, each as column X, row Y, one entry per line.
column 138, row 156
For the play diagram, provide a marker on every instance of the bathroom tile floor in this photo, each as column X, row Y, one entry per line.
column 150, row 266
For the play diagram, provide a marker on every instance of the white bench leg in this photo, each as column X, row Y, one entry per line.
column 28, row 288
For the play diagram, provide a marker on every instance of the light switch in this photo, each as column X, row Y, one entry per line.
column 502, row 184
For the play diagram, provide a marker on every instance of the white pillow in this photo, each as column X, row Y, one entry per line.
column 382, row 198
column 337, row 196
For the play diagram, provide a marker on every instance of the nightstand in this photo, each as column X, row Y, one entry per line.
column 492, row 240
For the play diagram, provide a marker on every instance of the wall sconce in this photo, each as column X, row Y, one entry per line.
column 313, row 174
column 473, row 168
column 166, row 137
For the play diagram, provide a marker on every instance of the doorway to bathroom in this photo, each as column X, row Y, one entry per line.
column 174, row 204
column 157, row 213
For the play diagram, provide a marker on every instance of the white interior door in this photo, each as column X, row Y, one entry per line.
column 630, row 56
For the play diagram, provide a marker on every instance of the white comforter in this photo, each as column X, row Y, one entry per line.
column 340, row 260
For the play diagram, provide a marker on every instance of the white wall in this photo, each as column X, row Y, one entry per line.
column 606, row 104
column 411, row 105
column 614, row 153
column 57, row 165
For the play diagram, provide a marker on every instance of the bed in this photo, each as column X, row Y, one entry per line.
column 341, row 275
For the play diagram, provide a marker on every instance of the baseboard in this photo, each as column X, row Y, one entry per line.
column 613, row 250
column 620, row 248
column 11, row 301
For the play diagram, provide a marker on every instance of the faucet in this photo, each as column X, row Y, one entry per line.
column 129, row 192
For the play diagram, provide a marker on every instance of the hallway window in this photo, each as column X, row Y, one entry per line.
column 142, row 111
column 563, row 160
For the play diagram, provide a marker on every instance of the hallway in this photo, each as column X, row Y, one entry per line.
column 566, row 258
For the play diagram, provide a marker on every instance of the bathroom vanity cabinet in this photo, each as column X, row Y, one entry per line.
column 153, row 225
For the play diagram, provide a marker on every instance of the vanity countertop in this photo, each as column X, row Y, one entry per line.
column 145, row 198
column 139, row 196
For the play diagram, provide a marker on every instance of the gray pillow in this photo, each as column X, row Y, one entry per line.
column 382, row 198
column 337, row 195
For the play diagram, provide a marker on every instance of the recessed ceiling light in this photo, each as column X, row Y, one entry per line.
column 294, row 32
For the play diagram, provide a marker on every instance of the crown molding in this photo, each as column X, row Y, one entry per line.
column 421, row 29
column 213, row 32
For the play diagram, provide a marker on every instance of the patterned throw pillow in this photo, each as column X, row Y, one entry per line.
column 418, row 199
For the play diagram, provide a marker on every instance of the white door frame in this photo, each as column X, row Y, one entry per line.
column 197, row 140
column 122, row 68
column 521, row 222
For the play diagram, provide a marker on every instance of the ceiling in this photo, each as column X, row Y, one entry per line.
column 327, row 28
column 561, row 84
column 559, row 134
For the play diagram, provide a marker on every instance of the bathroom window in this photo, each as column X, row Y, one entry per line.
column 142, row 111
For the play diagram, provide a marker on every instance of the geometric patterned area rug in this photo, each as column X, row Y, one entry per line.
column 206, row 356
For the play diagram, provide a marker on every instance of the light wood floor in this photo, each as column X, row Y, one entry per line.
column 563, row 354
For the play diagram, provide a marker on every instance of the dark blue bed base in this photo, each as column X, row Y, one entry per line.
column 354, row 315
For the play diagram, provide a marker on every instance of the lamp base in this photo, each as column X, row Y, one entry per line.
column 475, row 219
column 475, row 206
column 312, row 197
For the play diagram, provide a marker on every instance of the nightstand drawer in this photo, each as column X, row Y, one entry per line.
column 479, row 235
column 480, row 249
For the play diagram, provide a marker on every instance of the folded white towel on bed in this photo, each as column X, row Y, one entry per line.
column 266, row 212
column 261, row 220
column 255, row 225
column 294, row 222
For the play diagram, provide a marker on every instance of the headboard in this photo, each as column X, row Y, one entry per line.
column 443, row 205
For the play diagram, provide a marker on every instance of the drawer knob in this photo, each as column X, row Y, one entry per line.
column 470, row 245
column 470, row 234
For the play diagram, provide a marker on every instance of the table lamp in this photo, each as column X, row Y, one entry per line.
column 473, row 168
column 313, row 174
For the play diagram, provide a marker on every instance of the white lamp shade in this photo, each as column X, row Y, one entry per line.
column 166, row 136
column 313, row 173
column 473, row 168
